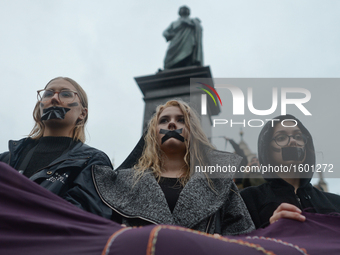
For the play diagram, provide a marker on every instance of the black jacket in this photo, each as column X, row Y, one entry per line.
column 61, row 175
column 263, row 200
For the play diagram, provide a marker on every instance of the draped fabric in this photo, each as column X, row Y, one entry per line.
column 35, row 221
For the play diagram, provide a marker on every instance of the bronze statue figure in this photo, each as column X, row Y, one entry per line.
column 185, row 35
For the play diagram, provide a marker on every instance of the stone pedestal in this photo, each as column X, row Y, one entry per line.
column 173, row 84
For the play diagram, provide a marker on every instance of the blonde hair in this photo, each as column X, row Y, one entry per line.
column 79, row 129
column 152, row 154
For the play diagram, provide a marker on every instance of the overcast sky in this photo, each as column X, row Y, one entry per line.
column 103, row 45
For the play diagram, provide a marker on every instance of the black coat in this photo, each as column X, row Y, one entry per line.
column 263, row 200
column 61, row 175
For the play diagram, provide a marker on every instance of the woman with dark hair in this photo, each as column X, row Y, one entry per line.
column 287, row 146
column 54, row 153
column 159, row 183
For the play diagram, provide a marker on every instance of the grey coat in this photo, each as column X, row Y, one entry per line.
column 143, row 202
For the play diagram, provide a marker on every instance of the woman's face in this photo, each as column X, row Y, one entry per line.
column 280, row 133
column 75, row 113
column 171, row 118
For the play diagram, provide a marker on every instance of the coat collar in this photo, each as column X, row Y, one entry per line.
column 132, row 197
column 143, row 198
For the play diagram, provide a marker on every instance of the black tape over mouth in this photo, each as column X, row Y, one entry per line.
column 54, row 112
column 293, row 153
column 171, row 134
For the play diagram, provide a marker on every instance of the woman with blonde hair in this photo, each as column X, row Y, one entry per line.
column 54, row 153
column 158, row 182
column 155, row 156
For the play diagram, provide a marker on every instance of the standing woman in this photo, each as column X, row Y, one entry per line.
column 287, row 144
column 54, row 153
column 163, row 187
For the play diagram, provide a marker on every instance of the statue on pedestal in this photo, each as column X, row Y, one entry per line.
column 185, row 48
